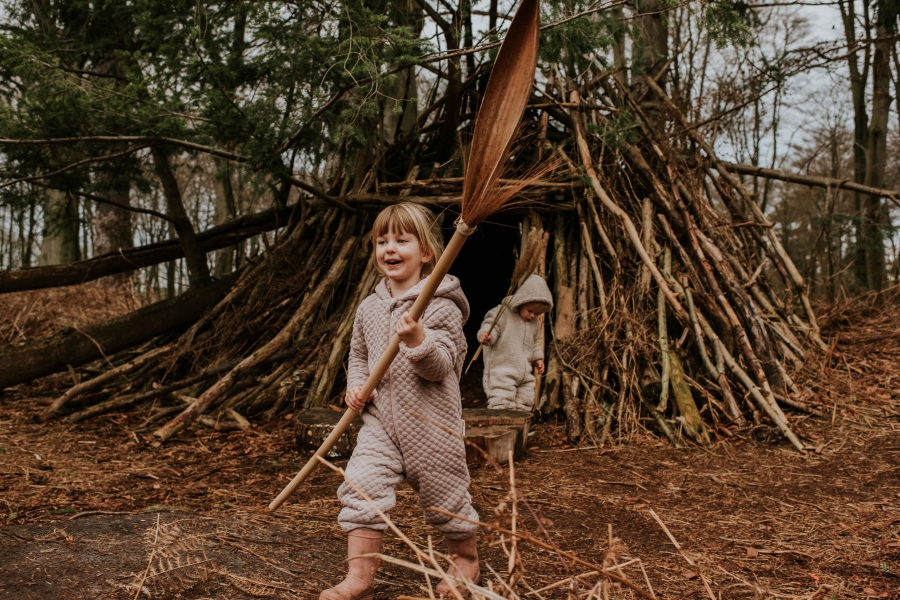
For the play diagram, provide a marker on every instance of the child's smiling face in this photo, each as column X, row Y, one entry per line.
column 400, row 256
column 532, row 310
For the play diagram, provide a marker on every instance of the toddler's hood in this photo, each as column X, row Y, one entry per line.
column 534, row 289
column 449, row 288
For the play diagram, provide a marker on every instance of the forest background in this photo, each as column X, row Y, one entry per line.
column 178, row 149
column 186, row 195
column 316, row 95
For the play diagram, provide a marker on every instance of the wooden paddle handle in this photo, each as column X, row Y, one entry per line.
column 383, row 364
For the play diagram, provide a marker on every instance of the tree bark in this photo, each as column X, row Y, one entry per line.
column 618, row 47
column 651, row 49
column 74, row 347
column 446, row 139
column 225, row 202
column 59, row 244
column 198, row 269
column 112, row 225
column 873, row 218
column 401, row 107
column 860, row 128
column 225, row 212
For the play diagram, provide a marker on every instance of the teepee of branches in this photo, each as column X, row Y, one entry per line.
column 677, row 308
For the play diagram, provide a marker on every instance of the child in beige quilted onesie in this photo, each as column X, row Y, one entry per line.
column 514, row 345
column 408, row 420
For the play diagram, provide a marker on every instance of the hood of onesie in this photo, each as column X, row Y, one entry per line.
column 534, row 289
column 449, row 288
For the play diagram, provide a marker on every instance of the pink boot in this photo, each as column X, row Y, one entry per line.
column 465, row 565
column 359, row 584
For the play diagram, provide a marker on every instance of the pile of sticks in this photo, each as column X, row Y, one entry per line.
column 281, row 332
column 676, row 300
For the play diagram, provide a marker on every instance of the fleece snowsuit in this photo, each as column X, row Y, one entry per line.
column 514, row 345
column 400, row 438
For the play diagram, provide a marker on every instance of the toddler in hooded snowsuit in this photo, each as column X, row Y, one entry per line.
column 410, row 420
column 514, row 345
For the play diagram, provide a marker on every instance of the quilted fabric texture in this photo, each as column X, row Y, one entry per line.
column 514, row 345
column 402, row 436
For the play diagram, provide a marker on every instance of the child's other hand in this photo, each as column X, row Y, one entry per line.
column 355, row 400
column 411, row 333
column 539, row 365
column 484, row 338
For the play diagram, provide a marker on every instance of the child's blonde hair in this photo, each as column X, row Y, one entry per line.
column 414, row 219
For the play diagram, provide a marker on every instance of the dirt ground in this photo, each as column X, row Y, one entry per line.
column 91, row 510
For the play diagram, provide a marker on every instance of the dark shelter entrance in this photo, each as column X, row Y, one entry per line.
column 484, row 268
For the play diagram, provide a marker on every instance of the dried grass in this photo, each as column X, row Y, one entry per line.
column 33, row 314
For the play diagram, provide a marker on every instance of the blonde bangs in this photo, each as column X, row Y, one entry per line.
column 413, row 219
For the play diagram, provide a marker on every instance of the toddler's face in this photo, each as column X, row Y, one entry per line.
column 529, row 312
column 400, row 256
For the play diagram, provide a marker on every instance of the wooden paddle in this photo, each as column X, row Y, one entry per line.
column 508, row 91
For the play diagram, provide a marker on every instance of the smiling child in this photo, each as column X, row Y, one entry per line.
column 409, row 420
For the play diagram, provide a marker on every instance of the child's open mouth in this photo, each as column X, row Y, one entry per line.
column 392, row 262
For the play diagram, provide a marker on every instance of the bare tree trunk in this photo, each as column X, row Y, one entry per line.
column 195, row 257
column 224, row 192
column 447, row 136
column 401, row 108
column 26, row 236
column 651, row 52
column 860, row 127
column 874, row 216
column 59, row 245
column 112, row 225
column 831, row 195
column 225, row 212
column 618, row 48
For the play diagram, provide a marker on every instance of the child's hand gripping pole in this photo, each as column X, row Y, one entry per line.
column 489, row 332
column 384, row 363
column 513, row 287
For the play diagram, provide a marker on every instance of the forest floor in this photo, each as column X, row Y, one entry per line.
column 81, row 505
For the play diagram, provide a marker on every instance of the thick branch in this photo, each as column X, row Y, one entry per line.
column 311, row 189
column 813, row 181
column 132, row 259
column 198, row 268
column 76, row 347
column 128, row 207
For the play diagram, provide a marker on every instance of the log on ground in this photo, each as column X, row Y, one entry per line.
column 75, row 347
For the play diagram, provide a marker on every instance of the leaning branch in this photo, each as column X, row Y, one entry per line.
column 813, row 181
column 131, row 259
column 75, row 347
column 311, row 189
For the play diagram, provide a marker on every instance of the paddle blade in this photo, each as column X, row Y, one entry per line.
column 508, row 91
